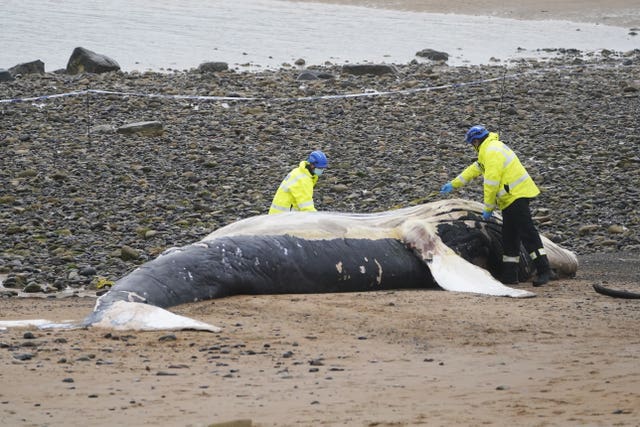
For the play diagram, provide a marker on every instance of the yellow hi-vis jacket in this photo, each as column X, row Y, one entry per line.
column 505, row 179
column 295, row 192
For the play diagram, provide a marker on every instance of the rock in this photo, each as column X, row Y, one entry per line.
column 5, row 75
column 33, row 288
column 340, row 188
column 88, row 271
column 631, row 86
column 617, row 229
column 102, row 129
column 150, row 128
column 315, row 75
column 85, row 61
column 127, row 253
column 586, row 229
column 373, row 69
column 15, row 281
column 33, row 67
column 433, row 55
column 213, row 67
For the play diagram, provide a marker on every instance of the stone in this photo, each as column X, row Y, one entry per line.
column 5, row 75
column 213, row 67
column 33, row 67
column 433, row 55
column 127, row 253
column 85, row 61
column 150, row 128
column 372, row 69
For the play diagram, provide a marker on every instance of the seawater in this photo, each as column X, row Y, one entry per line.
column 257, row 34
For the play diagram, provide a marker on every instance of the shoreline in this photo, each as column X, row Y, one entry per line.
column 315, row 33
column 618, row 13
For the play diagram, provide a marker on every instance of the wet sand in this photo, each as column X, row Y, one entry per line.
column 622, row 13
column 568, row 357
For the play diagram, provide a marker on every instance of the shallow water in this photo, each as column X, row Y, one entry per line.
column 254, row 34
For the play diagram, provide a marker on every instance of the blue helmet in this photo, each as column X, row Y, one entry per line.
column 318, row 159
column 476, row 132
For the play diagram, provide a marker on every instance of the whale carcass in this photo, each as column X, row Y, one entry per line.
column 443, row 244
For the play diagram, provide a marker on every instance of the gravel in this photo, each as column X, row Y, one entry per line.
column 80, row 201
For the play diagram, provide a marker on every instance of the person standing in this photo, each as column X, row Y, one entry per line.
column 507, row 186
column 296, row 190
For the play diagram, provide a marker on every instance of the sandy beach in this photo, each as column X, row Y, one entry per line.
column 623, row 13
column 568, row 357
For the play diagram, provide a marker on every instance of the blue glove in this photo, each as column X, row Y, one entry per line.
column 486, row 215
column 447, row 188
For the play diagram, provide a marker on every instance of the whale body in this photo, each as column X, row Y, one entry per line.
column 440, row 245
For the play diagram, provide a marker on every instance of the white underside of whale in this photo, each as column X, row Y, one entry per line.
column 124, row 316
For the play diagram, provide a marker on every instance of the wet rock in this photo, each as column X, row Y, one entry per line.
column 23, row 356
column 433, row 55
column 86, row 61
column 5, row 75
column 33, row 288
column 616, row 229
column 33, row 67
column 372, row 69
column 150, row 128
column 315, row 75
column 88, row 271
column 586, row 229
column 127, row 253
column 213, row 67
column 102, row 129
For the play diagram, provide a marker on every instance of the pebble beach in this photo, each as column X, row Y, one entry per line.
column 102, row 172
column 83, row 202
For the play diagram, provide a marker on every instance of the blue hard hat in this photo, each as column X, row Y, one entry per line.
column 475, row 132
column 318, row 159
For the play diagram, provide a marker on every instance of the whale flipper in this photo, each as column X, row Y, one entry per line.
column 127, row 316
column 450, row 271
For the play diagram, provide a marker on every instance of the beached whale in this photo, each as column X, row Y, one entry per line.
column 443, row 244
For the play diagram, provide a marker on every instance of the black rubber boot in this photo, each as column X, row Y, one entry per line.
column 543, row 269
column 509, row 274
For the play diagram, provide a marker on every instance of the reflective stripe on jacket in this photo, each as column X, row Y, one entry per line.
column 505, row 179
column 295, row 192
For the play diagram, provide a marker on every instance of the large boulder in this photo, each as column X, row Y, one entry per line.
column 315, row 75
column 85, row 61
column 33, row 67
column 213, row 67
column 5, row 75
column 373, row 69
column 433, row 55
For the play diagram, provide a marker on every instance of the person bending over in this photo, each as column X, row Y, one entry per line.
column 296, row 190
column 507, row 186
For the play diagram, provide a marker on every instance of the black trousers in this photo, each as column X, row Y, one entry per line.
column 517, row 227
